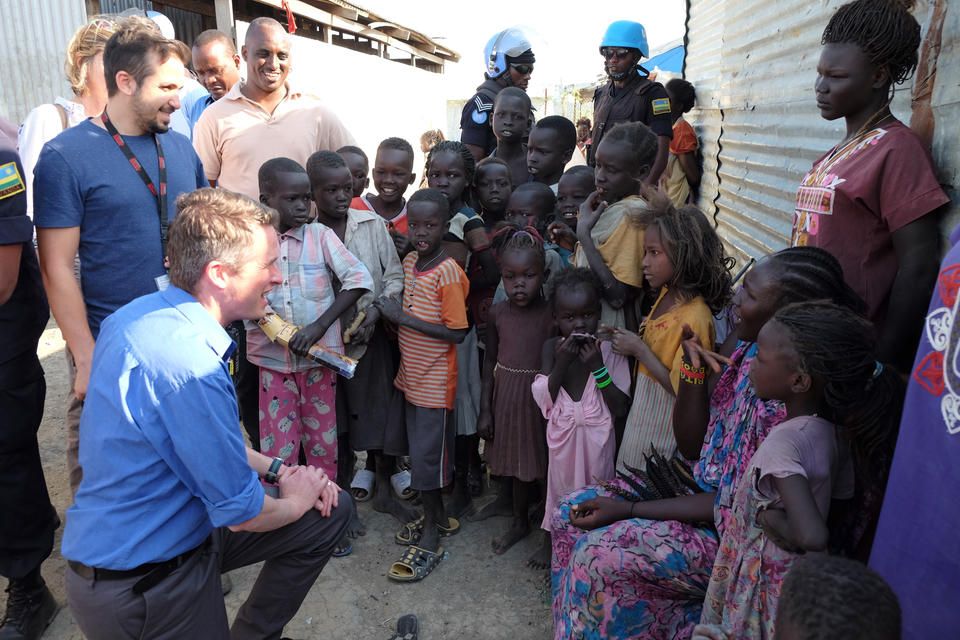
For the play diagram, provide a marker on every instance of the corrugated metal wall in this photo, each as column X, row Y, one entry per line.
column 753, row 63
column 33, row 39
column 186, row 23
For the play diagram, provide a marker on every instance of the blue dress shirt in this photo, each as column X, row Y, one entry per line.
column 163, row 457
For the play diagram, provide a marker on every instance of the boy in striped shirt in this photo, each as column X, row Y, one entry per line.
column 432, row 320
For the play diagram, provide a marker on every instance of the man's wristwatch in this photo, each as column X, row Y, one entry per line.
column 271, row 475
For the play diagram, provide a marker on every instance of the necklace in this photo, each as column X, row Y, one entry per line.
column 410, row 292
column 424, row 267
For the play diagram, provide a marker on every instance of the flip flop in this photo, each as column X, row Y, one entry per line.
column 408, row 628
column 401, row 485
column 343, row 552
column 416, row 564
column 362, row 485
column 412, row 532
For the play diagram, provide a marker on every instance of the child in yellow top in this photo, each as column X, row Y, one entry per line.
column 685, row 260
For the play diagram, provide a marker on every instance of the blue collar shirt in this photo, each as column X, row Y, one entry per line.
column 162, row 453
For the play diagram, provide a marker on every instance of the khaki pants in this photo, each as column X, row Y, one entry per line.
column 74, row 408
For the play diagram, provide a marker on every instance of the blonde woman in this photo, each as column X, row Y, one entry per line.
column 427, row 142
column 84, row 70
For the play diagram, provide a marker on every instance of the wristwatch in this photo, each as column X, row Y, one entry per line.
column 271, row 475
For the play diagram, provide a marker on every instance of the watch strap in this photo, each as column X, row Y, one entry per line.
column 271, row 475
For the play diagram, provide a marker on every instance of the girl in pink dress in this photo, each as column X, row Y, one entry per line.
column 581, row 386
column 842, row 412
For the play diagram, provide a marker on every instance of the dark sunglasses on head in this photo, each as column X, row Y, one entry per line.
column 619, row 54
column 523, row 69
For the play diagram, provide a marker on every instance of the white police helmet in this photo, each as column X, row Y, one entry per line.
column 509, row 42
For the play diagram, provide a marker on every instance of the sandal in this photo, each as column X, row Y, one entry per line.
column 339, row 551
column 401, row 486
column 416, row 564
column 408, row 628
column 412, row 532
column 362, row 485
column 474, row 483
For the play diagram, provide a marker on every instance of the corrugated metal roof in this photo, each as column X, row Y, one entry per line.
column 753, row 64
column 34, row 41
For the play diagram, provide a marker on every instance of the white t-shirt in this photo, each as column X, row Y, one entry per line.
column 40, row 126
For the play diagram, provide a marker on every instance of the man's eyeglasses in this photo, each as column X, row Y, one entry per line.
column 523, row 69
column 619, row 54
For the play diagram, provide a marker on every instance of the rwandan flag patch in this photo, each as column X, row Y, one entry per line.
column 10, row 181
column 661, row 106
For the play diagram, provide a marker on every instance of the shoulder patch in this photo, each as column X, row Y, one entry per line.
column 661, row 106
column 479, row 117
column 482, row 105
column 10, row 181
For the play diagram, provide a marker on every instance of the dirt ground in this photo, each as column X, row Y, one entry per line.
column 471, row 594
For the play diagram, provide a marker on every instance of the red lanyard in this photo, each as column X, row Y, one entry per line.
column 162, row 194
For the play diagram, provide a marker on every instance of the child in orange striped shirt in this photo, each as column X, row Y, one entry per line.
column 433, row 320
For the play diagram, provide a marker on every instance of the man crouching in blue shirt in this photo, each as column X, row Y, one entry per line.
column 170, row 498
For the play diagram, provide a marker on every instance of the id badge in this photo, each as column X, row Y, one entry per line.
column 162, row 282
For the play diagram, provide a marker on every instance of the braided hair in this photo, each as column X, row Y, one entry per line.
column 454, row 146
column 811, row 273
column 701, row 264
column 865, row 398
column 510, row 235
column 883, row 29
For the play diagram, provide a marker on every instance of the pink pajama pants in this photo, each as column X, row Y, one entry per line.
column 299, row 408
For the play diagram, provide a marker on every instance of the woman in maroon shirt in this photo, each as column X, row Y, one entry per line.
column 872, row 201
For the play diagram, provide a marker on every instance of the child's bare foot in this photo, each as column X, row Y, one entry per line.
column 385, row 502
column 513, row 535
column 355, row 528
column 502, row 505
column 540, row 559
column 460, row 502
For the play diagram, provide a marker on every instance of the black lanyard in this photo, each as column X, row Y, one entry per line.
column 162, row 195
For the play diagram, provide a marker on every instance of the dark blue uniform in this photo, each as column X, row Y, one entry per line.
column 641, row 100
column 28, row 521
column 476, row 119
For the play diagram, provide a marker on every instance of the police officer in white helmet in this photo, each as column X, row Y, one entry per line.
column 508, row 62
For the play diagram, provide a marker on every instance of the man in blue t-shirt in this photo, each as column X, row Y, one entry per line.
column 89, row 196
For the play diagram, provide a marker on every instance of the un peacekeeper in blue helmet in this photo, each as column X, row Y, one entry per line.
column 508, row 62
column 629, row 95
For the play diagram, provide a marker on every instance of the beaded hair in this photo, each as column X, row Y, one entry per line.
column 512, row 236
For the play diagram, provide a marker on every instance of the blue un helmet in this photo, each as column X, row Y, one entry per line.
column 626, row 34
column 509, row 43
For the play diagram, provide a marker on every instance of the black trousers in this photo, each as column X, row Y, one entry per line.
column 189, row 602
column 27, row 520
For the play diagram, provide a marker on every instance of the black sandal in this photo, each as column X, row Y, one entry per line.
column 408, row 628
